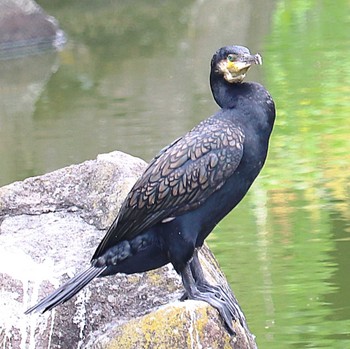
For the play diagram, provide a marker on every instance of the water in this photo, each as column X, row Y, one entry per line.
column 134, row 76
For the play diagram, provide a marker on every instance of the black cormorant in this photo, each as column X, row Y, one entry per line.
column 188, row 188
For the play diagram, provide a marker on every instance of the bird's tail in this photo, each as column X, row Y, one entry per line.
column 67, row 291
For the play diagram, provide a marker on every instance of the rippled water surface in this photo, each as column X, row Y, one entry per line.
column 134, row 76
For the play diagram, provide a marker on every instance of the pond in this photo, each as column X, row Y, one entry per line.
column 134, row 76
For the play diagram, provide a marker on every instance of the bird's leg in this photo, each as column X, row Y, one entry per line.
column 202, row 283
column 217, row 290
column 194, row 293
column 198, row 275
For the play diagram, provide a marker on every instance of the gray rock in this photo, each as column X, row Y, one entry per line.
column 49, row 228
column 26, row 29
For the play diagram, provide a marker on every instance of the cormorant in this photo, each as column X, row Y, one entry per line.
column 188, row 188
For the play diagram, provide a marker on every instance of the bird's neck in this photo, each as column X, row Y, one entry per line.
column 224, row 93
column 250, row 99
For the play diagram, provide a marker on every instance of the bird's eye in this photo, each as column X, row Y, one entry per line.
column 231, row 57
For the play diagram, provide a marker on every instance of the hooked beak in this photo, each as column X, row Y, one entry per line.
column 244, row 62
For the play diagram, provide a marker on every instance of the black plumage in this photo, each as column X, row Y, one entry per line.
column 188, row 188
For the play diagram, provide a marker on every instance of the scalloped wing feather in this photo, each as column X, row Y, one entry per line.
column 179, row 179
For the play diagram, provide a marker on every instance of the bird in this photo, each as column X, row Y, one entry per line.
column 187, row 189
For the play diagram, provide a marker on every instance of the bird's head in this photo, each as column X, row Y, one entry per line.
column 233, row 62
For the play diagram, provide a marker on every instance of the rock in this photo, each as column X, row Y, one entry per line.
column 49, row 228
column 26, row 29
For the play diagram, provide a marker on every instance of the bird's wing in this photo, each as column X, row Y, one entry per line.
column 179, row 179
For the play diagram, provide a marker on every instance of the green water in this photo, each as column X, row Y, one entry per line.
column 134, row 76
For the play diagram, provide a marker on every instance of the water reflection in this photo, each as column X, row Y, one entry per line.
column 134, row 76
column 22, row 83
column 131, row 78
